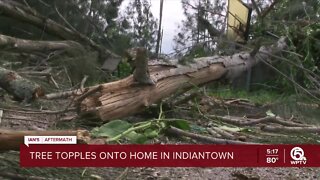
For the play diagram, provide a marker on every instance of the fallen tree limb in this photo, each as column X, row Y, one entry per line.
column 9, row 43
column 290, row 129
column 11, row 140
column 239, row 121
column 213, row 133
column 223, row 133
column 64, row 94
column 205, row 139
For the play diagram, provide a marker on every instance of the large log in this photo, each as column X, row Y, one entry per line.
column 126, row 97
column 19, row 87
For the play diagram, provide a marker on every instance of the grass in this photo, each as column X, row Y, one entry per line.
column 260, row 96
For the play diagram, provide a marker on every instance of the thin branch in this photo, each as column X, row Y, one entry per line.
column 44, row 3
column 223, row 133
column 196, row 8
column 292, row 63
column 64, row 19
column 66, row 71
column 27, row 4
column 83, row 82
column 54, row 82
column 288, row 78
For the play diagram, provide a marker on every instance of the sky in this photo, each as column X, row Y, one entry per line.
column 172, row 16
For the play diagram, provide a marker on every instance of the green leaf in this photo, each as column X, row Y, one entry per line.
column 111, row 129
column 136, row 138
column 151, row 133
column 181, row 124
column 270, row 113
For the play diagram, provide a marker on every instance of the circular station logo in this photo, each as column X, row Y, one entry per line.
column 297, row 154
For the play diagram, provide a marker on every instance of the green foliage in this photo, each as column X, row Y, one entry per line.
column 136, row 133
column 297, row 20
column 140, row 24
column 80, row 65
column 116, row 128
column 111, row 129
column 193, row 31
column 181, row 124
column 124, row 70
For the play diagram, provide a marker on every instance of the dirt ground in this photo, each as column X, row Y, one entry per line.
column 231, row 173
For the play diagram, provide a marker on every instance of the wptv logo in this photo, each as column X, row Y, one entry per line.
column 297, row 154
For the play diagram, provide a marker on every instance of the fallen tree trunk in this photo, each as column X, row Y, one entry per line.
column 19, row 87
column 8, row 43
column 11, row 139
column 126, row 97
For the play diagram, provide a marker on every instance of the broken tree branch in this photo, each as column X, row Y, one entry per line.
column 205, row 139
column 248, row 122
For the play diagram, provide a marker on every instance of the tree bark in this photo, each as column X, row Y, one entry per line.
column 19, row 87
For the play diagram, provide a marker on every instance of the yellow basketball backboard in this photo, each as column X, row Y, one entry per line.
column 239, row 15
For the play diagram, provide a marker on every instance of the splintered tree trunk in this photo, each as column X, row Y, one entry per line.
column 126, row 97
column 19, row 87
